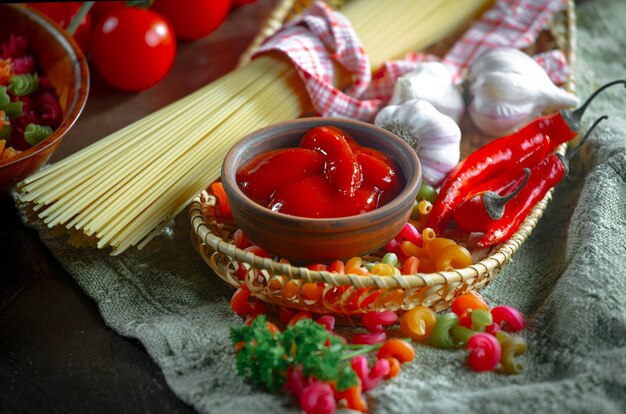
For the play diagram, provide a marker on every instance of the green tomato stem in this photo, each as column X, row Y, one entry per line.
column 79, row 17
column 144, row 4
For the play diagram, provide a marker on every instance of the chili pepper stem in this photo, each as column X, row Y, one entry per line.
column 566, row 159
column 495, row 203
column 573, row 118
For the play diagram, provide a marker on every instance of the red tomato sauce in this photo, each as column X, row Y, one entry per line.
column 328, row 175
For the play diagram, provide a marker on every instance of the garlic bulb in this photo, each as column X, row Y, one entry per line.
column 435, row 137
column 432, row 82
column 508, row 89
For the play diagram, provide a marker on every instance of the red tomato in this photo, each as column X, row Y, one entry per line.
column 133, row 49
column 194, row 19
column 62, row 14
column 101, row 8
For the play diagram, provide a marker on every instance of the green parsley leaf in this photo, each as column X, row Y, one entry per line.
column 264, row 358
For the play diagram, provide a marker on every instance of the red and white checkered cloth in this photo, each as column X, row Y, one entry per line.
column 323, row 35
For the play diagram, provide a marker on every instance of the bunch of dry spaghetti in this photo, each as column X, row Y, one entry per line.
column 122, row 190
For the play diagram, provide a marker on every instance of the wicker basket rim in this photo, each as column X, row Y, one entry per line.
column 487, row 266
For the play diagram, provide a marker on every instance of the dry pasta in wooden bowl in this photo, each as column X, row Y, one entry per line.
column 419, row 267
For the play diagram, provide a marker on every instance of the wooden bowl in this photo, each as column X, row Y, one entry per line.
column 64, row 65
column 300, row 239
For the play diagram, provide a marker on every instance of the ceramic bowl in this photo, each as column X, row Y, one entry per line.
column 64, row 65
column 308, row 240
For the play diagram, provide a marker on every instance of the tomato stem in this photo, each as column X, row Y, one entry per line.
column 79, row 17
column 144, row 4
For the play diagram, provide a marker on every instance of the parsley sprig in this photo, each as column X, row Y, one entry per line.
column 264, row 357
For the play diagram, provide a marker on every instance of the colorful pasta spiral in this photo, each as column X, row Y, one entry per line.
column 48, row 110
column 15, row 46
column 23, row 64
column 34, row 134
column 512, row 348
column 11, row 109
column 24, row 84
column 418, row 323
column 481, row 319
column 442, row 332
column 27, row 100
column 485, row 352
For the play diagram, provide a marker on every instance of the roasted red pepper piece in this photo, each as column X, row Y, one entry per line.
column 260, row 177
column 376, row 172
column 377, row 154
column 522, row 149
column 309, row 197
column 316, row 197
column 303, row 181
column 364, row 200
column 341, row 168
column 542, row 178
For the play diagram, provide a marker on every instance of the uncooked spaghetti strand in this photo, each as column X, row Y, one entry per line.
column 177, row 197
column 105, row 142
column 143, row 129
column 167, row 165
column 85, row 193
column 94, row 216
column 118, row 141
column 415, row 36
column 397, row 41
column 138, row 203
column 272, row 117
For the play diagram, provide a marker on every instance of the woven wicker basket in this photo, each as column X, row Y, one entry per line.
column 347, row 295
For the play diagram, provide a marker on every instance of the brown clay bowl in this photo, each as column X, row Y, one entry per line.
column 308, row 240
column 64, row 65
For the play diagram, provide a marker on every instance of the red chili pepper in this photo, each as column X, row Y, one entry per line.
column 487, row 202
column 542, row 178
column 522, row 149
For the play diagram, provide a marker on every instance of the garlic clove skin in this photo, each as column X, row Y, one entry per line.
column 432, row 82
column 504, row 59
column 435, row 137
column 508, row 89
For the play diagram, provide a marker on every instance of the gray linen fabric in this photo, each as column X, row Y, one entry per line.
column 569, row 279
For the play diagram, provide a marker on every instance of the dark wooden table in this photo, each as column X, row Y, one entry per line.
column 56, row 354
